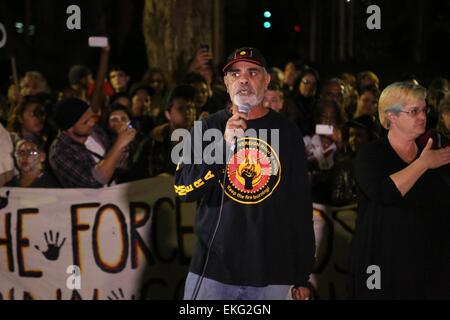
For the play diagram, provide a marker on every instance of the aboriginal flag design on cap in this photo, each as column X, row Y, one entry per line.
column 247, row 54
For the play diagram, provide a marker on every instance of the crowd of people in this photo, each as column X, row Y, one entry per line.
column 122, row 130
column 106, row 131
column 100, row 132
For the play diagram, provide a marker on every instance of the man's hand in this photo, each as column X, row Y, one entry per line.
column 336, row 136
column 301, row 293
column 125, row 137
column 235, row 128
column 201, row 60
column 106, row 50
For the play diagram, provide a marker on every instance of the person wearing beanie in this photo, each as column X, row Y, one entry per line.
column 81, row 156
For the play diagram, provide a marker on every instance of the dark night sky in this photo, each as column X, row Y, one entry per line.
column 389, row 51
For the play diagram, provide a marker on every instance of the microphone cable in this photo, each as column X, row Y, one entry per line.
column 245, row 108
column 211, row 241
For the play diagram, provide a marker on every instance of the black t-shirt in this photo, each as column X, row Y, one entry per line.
column 265, row 236
column 407, row 237
column 46, row 181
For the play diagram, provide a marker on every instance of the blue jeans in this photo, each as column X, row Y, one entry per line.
column 214, row 290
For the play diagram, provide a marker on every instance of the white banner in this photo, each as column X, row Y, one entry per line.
column 132, row 241
column 116, row 243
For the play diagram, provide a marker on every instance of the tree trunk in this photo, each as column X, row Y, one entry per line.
column 174, row 30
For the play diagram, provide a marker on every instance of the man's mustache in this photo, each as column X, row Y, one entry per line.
column 245, row 88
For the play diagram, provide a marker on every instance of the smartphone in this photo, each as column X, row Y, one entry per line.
column 322, row 129
column 98, row 42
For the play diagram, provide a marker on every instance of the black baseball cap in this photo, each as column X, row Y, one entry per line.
column 248, row 54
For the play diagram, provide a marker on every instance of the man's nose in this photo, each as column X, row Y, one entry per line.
column 243, row 78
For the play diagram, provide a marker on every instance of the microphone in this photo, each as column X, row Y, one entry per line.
column 243, row 108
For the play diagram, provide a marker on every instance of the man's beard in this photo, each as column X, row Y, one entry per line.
column 252, row 99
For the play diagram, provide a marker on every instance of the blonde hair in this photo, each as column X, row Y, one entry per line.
column 395, row 96
column 33, row 83
column 368, row 75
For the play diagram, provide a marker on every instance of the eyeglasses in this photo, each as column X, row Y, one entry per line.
column 414, row 112
column 26, row 153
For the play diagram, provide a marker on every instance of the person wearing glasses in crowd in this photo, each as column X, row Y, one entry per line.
column 401, row 248
column 30, row 159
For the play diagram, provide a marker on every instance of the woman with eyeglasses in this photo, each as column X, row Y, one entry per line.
column 401, row 245
column 30, row 159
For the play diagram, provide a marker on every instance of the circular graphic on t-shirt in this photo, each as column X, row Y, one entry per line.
column 253, row 172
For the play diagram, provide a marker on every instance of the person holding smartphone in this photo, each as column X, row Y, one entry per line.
column 81, row 156
column 322, row 148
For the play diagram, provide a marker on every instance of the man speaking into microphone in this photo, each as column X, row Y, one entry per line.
column 254, row 223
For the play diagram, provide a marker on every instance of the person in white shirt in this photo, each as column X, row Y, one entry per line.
column 6, row 160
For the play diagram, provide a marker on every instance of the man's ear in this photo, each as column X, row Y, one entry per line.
column 42, row 156
column 167, row 114
column 268, row 79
